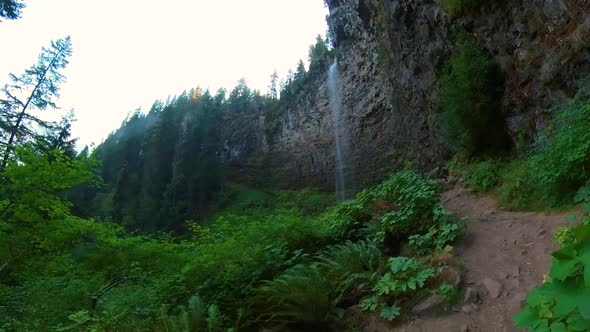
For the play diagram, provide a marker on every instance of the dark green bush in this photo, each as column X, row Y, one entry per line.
column 484, row 175
column 471, row 120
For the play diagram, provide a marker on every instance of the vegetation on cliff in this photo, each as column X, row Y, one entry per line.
column 471, row 119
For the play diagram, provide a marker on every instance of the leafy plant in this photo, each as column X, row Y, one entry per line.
column 556, row 171
column 406, row 274
column 562, row 303
column 415, row 195
column 449, row 292
column 389, row 312
column 484, row 175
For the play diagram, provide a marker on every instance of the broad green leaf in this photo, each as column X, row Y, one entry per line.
column 558, row 327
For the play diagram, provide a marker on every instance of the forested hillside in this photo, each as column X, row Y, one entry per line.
column 165, row 167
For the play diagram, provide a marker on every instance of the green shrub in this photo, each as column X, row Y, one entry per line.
column 562, row 155
column 562, row 302
column 301, row 294
column 404, row 278
column 470, row 117
column 415, row 195
column 556, row 171
column 484, row 176
column 309, row 293
column 406, row 274
column 442, row 233
column 449, row 292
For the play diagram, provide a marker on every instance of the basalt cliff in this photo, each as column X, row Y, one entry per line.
column 390, row 53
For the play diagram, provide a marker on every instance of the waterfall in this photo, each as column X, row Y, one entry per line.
column 340, row 134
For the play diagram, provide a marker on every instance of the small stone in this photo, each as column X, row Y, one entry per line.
column 449, row 276
column 464, row 328
column 502, row 275
column 430, row 304
column 488, row 216
column 435, row 172
column 523, row 252
column 541, row 232
column 514, row 271
column 469, row 308
column 471, row 295
column 493, row 287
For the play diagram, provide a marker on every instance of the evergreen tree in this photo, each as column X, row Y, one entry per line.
column 11, row 9
column 317, row 53
column 36, row 89
column 300, row 73
column 272, row 88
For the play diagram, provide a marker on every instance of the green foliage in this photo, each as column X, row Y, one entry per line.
column 561, row 303
column 301, row 294
column 470, row 116
column 389, row 312
column 309, row 293
column 406, row 274
column 555, row 172
column 36, row 89
column 445, row 231
column 564, row 236
column 484, row 175
column 449, row 292
column 456, row 8
column 415, row 195
column 516, row 189
column 263, row 257
column 455, row 164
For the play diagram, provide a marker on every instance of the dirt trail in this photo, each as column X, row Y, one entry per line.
column 512, row 249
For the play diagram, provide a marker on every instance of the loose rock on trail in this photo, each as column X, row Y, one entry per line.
column 505, row 255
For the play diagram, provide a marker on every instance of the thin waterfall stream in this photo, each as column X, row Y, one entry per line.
column 340, row 134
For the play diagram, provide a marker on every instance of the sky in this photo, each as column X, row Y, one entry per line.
column 129, row 53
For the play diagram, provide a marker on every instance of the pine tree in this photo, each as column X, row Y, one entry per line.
column 300, row 73
column 11, row 9
column 36, row 89
column 273, row 92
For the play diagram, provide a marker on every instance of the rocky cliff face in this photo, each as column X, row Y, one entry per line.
column 389, row 54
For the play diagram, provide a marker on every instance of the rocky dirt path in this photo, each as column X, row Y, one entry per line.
column 505, row 255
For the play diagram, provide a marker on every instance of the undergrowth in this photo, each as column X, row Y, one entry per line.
column 562, row 302
column 555, row 173
column 276, row 259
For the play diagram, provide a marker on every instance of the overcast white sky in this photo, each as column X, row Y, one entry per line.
column 128, row 53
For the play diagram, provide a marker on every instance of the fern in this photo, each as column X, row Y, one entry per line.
column 370, row 303
column 300, row 294
column 351, row 264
